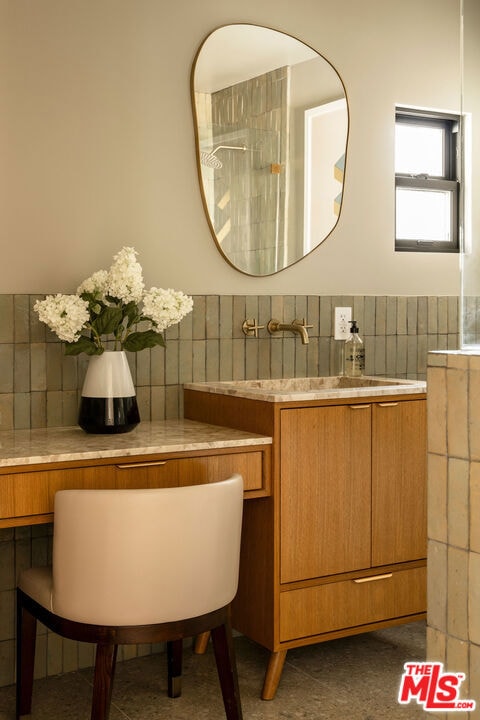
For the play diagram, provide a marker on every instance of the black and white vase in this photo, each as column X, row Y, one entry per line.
column 108, row 403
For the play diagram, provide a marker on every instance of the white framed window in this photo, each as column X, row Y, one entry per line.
column 426, row 181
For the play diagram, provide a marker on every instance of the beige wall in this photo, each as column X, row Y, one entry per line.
column 97, row 146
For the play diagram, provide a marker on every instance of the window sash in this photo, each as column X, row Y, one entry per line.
column 430, row 185
column 449, row 127
column 446, row 183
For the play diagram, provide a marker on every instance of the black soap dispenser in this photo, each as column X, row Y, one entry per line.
column 354, row 353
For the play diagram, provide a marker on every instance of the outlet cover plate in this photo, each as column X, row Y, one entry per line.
column 343, row 315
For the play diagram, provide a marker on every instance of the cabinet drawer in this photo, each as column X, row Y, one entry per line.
column 350, row 603
column 24, row 494
column 193, row 471
column 31, row 494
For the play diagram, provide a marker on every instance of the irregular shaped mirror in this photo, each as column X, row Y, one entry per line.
column 271, row 128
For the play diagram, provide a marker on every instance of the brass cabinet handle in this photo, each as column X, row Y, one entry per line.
column 359, row 407
column 372, row 578
column 388, row 404
column 153, row 463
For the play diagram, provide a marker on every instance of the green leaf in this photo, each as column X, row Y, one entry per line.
column 141, row 340
column 130, row 311
column 83, row 344
column 95, row 304
column 108, row 320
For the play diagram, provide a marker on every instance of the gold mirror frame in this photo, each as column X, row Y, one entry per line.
column 252, row 138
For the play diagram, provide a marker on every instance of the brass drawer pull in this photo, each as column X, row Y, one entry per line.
column 127, row 466
column 359, row 407
column 373, row 577
column 388, row 404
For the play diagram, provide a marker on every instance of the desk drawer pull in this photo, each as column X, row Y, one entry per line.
column 372, row 578
column 128, row 466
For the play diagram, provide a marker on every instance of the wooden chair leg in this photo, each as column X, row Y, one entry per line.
column 201, row 642
column 174, row 663
column 26, row 637
column 227, row 670
column 104, row 673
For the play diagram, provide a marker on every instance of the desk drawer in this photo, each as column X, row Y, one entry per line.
column 349, row 603
column 193, row 471
column 28, row 494
column 32, row 493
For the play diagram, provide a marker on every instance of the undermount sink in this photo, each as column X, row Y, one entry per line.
column 285, row 389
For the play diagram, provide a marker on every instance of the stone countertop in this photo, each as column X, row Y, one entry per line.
column 313, row 388
column 63, row 444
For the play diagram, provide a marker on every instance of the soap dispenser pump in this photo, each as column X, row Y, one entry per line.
column 354, row 353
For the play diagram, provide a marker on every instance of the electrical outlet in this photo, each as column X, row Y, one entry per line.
column 343, row 315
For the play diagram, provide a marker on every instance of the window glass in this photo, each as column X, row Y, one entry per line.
column 423, row 215
column 419, row 149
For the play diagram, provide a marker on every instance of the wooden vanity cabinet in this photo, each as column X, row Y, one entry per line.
column 340, row 546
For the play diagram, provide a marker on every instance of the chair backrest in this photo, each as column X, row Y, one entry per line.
column 137, row 557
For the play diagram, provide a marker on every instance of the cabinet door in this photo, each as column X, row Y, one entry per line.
column 325, row 491
column 399, row 464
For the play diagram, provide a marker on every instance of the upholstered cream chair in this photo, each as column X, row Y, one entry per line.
column 137, row 566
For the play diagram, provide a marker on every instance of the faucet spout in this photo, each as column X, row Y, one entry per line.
column 297, row 326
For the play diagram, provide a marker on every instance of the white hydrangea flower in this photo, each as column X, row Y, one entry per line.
column 124, row 279
column 65, row 315
column 166, row 307
column 112, row 311
column 95, row 284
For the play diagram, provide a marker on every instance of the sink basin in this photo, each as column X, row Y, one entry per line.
column 313, row 384
column 311, row 388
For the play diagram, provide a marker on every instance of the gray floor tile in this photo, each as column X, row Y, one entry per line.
column 354, row 678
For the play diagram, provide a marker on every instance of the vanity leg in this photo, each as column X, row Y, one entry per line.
column 273, row 674
column 201, row 642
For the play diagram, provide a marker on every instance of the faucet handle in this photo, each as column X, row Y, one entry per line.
column 303, row 323
column 250, row 327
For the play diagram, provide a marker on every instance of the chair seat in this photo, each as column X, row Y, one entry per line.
column 37, row 583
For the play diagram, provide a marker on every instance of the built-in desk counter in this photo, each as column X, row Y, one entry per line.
column 34, row 464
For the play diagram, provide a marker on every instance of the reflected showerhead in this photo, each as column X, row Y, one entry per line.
column 209, row 159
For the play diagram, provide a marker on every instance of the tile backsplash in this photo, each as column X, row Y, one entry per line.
column 40, row 387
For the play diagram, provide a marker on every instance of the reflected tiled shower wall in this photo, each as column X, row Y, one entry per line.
column 40, row 387
column 246, row 195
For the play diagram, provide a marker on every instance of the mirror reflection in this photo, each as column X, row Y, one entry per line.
column 271, row 127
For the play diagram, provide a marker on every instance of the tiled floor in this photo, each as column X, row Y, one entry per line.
column 353, row 678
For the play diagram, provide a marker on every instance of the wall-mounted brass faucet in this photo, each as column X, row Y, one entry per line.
column 297, row 326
